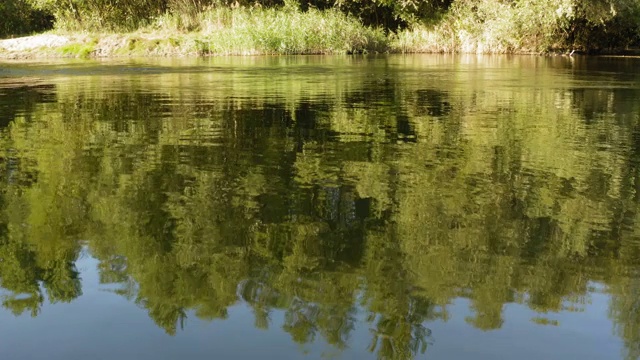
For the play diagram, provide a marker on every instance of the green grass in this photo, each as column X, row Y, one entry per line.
column 78, row 50
column 273, row 31
column 235, row 31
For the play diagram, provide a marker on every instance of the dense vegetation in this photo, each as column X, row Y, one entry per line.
column 496, row 26
column 272, row 190
column 21, row 17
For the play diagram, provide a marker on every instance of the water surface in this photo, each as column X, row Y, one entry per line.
column 321, row 207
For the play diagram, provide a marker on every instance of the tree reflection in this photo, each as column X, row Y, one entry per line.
column 318, row 205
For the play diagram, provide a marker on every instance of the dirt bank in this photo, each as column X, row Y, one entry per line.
column 139, row 44
column 23, row 46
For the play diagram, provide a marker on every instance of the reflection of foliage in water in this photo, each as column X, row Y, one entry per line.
column 383, row 193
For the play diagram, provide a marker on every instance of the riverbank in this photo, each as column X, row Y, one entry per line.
column 54, row 45
column 258, row 31
column 216, row 32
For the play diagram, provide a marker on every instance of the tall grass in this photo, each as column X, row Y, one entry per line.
column 287, row 30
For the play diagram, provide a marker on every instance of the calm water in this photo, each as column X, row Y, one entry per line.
column 321, row 207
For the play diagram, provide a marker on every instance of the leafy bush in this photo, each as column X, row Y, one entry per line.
column 603, row 24
column 19, row 17
column 494, row 26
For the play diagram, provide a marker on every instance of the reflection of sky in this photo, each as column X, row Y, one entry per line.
column 103, row 325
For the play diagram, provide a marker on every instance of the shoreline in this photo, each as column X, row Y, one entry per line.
column 85, row 46
column 489, row 27
column 51, row 45
column 132, row 45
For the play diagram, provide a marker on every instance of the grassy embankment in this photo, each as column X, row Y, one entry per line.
column 524, row 26
column 226, row 31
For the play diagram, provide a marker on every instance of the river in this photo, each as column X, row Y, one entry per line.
column 348, row 207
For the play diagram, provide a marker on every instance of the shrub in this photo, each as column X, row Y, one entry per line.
column 19, row 17
column 494, row 26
